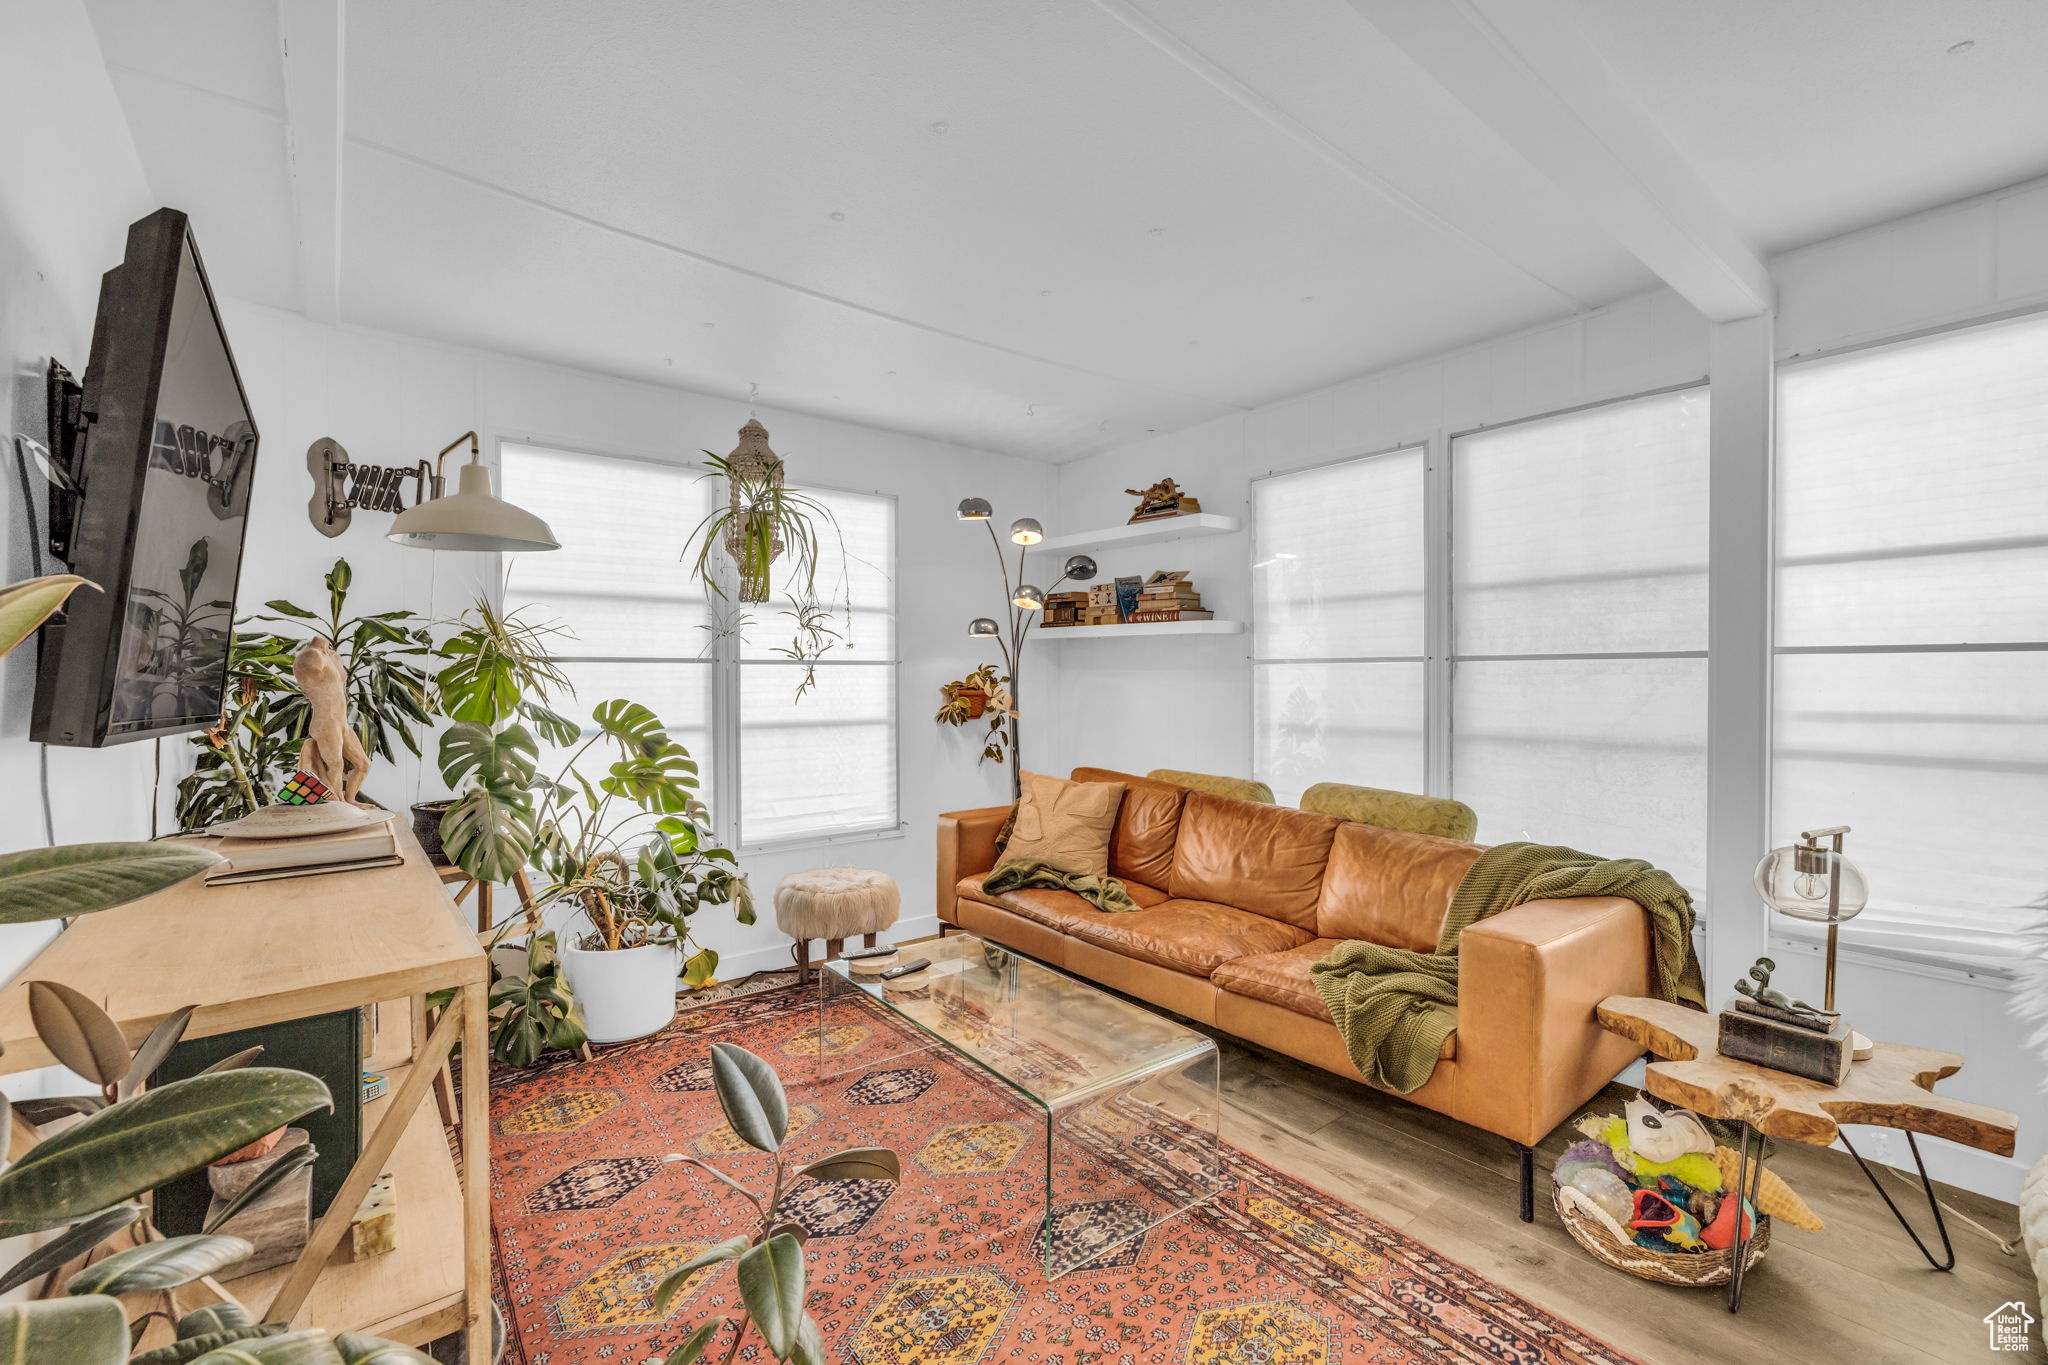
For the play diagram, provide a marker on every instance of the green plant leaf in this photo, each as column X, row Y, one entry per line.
column 694, row 1344
column 308, row 1347
column 78, row 879
column 235, row 1061
column 198, row 1344
column 771, row 1279
column 141, row 1143
column 268, row 1179
column 160, row 1265
column 43, row 1110
column 214, row 1317
column 502, row 760
column 810, row 1344
column 155, row 1048
column 25, row 606
column 856, row 1163
column 490, row 834
column 718, row 1254
column 75, row 1242
column 633, row 725
column 358, row 1349
column 78, row 1032
column 751, row 1095
column 699, row 968
column 284, row 608
column 90, row 1331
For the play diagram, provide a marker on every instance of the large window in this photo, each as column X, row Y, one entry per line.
column 1338, row 625
column 1579, row 607
column 1911, row 688
column 1544, row 659
column 776, row 769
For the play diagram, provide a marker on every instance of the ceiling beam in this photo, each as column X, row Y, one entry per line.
column 1526, row 70
column 312, row 37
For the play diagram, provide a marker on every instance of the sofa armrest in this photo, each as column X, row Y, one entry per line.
column 967, row 844
column 1530, row 1049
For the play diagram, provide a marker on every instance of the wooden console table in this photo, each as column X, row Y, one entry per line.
column 265, row 952
column 1893, row 1088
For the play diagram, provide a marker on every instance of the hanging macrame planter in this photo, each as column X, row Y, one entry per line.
column 752, row 539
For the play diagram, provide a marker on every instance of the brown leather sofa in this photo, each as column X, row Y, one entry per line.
column 1237, row 899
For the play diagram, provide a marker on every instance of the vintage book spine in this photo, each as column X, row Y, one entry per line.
column 1822, row 1057
column 1141, row 617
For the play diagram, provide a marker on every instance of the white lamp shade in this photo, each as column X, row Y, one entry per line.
column 471, row 518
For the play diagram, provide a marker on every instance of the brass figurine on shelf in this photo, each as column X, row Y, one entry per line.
column 1162, row 499
column 1761, row 997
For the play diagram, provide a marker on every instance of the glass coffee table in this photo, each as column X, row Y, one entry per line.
column 1124, row 1101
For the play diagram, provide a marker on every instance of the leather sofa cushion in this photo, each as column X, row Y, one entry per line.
column 1283, row 979
column 1044, row 905
column 1188, row 935
column 1141, row 841
column 1390, row 887
column 1265, row 859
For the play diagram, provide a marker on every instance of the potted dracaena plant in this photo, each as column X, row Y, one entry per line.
column 629, row 854
column 768, row 1261
column 85, row 1183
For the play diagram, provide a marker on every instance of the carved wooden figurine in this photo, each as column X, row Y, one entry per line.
column 331, row 752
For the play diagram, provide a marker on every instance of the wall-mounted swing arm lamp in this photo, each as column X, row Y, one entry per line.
column 1024, row 599
column 472, row 518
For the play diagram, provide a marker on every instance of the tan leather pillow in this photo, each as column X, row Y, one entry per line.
column 1064, row 825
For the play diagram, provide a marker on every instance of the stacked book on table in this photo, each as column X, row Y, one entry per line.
column 307, row 855
column 1168, row 596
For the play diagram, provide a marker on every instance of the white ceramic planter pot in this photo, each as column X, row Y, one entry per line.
column 623, row 995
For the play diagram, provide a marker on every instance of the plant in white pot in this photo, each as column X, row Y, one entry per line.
column 630, row 855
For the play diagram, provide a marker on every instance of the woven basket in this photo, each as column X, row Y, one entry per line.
column 1698, row 1269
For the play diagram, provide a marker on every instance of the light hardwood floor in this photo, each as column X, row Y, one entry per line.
column 1857, row 1291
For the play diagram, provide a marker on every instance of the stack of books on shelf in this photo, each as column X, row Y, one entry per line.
column 1100, row 608
column 1064, row 609
column 308, row 855
column 1168, row 596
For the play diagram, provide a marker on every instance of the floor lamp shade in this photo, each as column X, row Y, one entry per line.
column 473, row 517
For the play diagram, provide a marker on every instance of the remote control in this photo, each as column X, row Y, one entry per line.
column 857, row 954
column 907, row 968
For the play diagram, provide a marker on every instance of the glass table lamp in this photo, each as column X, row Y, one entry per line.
column 1808, row 882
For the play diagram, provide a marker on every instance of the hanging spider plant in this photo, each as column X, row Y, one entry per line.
column 761, row 522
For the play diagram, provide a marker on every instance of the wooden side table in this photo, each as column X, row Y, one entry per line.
column 1894, row 1088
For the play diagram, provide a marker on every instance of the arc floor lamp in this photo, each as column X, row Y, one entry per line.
column 1024, row 599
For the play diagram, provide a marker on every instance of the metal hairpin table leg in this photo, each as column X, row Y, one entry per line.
column 1934, row 1205
column 1741, row 1244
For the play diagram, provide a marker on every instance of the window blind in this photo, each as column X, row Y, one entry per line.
column 1338, row 625
column 1578, row 597
column 1911, row 685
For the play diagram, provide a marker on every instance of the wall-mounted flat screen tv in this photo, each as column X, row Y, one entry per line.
column 155, row 508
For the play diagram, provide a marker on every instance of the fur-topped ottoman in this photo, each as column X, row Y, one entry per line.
column 834, row 904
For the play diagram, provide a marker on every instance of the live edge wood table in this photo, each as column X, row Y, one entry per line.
column 265, row 952
column 1893, row 1088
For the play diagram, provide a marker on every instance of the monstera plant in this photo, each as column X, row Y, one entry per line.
column 85, row 1182
column 769, row 1261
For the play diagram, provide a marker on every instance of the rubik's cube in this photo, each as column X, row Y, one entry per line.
column 304, row 789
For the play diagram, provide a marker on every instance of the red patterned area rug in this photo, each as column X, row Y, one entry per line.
column 591, row 1212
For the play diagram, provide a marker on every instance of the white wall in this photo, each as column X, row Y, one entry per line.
column 392, row 400
column 1186, row 702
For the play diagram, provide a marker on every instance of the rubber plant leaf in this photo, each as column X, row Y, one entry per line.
column 273, row 1175
column 771, row 1279
column 78, row 1032
column 308, row 1347
column 202, row 1344
column 25, row 606
column 78, row 879
column 810, row 1344
column 74, row 1243
column 856, row 1163
column 694, row 1345
column 91, row 1331
column 160, row 1265
column 214, row 1317
column 155, row 1048
column 159, row 1135
column 719, row 1254
column 751, row 1095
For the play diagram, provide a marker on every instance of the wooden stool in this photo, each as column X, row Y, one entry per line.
column 834, row 904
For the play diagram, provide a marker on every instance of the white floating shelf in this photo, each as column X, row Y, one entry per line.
column 1144, row 533
column 1121, row 632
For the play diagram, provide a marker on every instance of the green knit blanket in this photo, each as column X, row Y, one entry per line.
column 1395, row 1008
column 1104, row 893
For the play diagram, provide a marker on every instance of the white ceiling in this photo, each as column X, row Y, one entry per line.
column 1038, row 228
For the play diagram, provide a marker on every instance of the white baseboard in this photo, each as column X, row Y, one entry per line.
column 775, row 956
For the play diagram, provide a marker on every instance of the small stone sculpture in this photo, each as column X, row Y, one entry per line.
column 1757, row 987
column 331, row 753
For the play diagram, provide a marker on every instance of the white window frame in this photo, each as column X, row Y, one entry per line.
column 723, row 659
